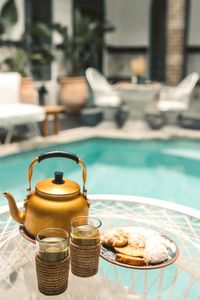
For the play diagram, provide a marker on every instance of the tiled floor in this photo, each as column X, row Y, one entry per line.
column 132, row 129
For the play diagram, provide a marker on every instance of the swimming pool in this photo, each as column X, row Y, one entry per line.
column 162, row 169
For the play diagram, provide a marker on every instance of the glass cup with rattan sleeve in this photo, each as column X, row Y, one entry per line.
column 85, row 246
column 52, row 260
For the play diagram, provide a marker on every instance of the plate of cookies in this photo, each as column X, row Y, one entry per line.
column 138, row 248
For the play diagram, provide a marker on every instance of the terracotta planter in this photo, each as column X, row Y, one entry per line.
column 73, row 93
column 28, row 91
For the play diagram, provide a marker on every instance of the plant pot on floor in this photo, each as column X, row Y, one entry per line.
column 73, row 93
column 121, row 116
column 28, row 91
column 91, row 116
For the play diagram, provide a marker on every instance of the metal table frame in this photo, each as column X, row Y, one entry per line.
column 178, row 281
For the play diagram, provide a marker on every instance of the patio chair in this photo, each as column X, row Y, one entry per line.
column 12, row 112
column 172, row 101
column 103, row 93
column 177, row 98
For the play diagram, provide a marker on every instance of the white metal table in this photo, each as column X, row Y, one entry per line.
column 178, row 281
column 138, row 97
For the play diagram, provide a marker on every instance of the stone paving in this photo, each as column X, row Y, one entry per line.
column 132, row 129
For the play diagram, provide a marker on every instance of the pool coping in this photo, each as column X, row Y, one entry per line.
column 83, row 133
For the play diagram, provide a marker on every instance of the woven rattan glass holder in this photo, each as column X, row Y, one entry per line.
column 52, row 276
column 84, row 259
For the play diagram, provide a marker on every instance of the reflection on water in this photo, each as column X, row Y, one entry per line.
column 167, row 170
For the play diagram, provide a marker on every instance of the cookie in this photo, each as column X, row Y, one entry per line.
column 137, row 240
column 130, row 260
column 114, row 238
column 130, row 250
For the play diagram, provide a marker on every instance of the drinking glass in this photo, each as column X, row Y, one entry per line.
column 52, row 244
column 52, row 261
column 85, row 246
column 85, row 231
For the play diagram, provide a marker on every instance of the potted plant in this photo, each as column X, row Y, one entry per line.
column 80, row 52
column 17, row 60
column 21, row 59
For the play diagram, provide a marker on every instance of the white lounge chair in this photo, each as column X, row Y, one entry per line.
column 104, row 93
column 12, row 112
column 178, row 98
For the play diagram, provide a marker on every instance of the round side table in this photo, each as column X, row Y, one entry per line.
column 55, row 111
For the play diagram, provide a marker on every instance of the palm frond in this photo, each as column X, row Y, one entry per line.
column 9, row 14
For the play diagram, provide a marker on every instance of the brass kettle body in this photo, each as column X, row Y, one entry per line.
column 54, row 202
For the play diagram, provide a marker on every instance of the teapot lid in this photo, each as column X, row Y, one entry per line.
column 57, row 186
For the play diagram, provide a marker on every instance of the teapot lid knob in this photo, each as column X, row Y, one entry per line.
column 58, row 178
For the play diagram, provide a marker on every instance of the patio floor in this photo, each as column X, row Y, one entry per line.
column 133, row 129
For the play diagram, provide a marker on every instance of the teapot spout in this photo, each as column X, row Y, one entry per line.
column 17, row 215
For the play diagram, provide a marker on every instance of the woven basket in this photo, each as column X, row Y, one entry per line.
column 84, row 259
column 52, row 276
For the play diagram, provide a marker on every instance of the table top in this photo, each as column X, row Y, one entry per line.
column 50, row 109
column 18, row 278
column 133, row 86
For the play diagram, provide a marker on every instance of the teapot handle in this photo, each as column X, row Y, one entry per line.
column 58, row 154
column 52, row 154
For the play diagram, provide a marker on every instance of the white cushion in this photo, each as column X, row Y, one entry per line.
column 20, row 114
column 107, row 99
column 12, row 112
column 172, row 105
column 9, row 87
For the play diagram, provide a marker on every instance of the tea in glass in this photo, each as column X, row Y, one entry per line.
column 85, row 231
column 53, row 244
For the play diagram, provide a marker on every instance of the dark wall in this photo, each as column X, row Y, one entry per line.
column 95, row 10
column 157, row 40
column 39, row 11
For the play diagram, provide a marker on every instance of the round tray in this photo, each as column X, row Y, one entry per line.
column 108, row 253
column 25, row 234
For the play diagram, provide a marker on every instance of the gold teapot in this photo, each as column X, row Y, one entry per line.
column 54, row 202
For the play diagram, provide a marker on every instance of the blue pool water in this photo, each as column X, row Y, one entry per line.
column 168, row 170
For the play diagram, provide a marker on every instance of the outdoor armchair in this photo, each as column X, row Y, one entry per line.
column 178, row 98
column 12, row 112
column 104, row 94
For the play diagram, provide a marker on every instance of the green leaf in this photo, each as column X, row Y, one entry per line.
column 80, row 49
column 37, row 57
column 41, row 30
column 9, row 15
column 107, row 27
column 2, row 28
column 17, row 61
